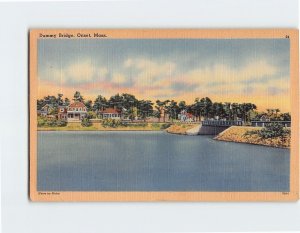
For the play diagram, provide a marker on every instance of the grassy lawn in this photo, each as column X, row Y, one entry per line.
column 179, row 128
column 100, row 127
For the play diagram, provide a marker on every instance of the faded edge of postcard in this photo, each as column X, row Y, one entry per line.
column 106, row 105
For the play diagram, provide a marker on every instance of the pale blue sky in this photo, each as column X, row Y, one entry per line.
column 107, row 66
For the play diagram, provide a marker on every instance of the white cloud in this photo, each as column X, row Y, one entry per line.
column 157, row 78
column 225, row 74
column 81, row 71
column 119, row 79
column 150, row 72
column 78, row 72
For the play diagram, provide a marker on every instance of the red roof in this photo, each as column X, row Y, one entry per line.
column 76, row 105
column 110, row 110
column 189, row 115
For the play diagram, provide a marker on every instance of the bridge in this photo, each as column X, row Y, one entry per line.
column 221, row 123
column 264, row 123
column 212, row 127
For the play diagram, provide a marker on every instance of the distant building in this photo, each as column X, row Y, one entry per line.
column 265, row 117
column 184, row 116
column 76, row 112
column 110, row 113
column 62, row 113
column 261, row 121
column 45, row 110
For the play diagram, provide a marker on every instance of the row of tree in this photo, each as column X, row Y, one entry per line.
column 131, row 107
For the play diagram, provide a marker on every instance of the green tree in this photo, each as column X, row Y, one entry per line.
column 218, row 110
column 145, row 108
column 285, row 116
column 67, row 102
column 228, row 110
column 100, row 103
column 88, row 105
column 129, row 101
column 116, row 101
column 206, row 107
column 182, row 105
column 172, row 109
column 78, row 97
column 163, row 107
column 245, row 110
column 197, row 108
column 59, row 100
column 156, row 114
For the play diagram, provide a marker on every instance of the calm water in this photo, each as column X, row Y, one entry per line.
column 156, row 161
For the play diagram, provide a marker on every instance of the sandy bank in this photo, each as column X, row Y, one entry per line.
column 237, row 134
column 180, row 128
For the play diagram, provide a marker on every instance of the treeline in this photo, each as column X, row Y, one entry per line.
column 131, row 107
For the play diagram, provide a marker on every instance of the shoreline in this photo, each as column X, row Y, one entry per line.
column 249, row 143
column 234, row 134
column 93, row 130
column 237, row 134
column 99, row 127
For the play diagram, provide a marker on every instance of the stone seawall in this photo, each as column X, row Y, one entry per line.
column 206, row 130
column 211, row 130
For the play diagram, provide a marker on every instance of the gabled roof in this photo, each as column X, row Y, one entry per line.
column 110, row 110
column 47, row 106
column 189, row 115
column 77, row 105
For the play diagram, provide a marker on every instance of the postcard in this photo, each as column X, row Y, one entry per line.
column 164, row 115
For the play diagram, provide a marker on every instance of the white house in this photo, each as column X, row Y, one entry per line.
column 76, row 112
column 184, row 116
column 110, row 113
column 45, row 110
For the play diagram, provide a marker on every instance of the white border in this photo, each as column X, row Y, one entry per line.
column 20, row 215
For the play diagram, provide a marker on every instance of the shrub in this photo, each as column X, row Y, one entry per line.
column 155, row 125
column 111, row 123
column 52, row 122
column 91, row 115
column 271, row 130
column 61, row 123
column 85, row 122
column 41, row 121
column 165, row 125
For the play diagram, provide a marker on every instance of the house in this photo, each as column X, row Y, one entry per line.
column 45, row 110
column 265, row 117
column 62, row 113
column 110, row 113
column 184, row 116
column 76, row 112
